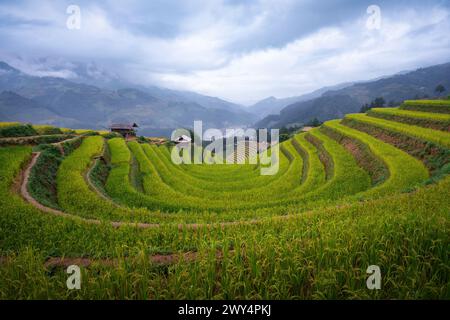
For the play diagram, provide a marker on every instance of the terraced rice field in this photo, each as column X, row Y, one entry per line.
column 371, row 189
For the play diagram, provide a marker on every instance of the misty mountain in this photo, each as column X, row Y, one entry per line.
column 183, row 96
column 273, row 106
column 158, row 111
column 336, row 103
column 70, row 104
column 29, row 111
column 91, row 73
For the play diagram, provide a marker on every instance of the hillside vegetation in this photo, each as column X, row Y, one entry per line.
column 370, row 189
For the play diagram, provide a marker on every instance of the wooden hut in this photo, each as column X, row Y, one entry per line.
column 183, row 139
column 125, row 129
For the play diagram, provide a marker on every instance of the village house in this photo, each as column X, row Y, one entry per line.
column 127, row 130
column 183, row 139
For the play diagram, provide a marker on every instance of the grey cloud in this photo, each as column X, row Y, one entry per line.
column 196, row 45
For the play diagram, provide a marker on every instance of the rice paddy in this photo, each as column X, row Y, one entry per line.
column 343, row 199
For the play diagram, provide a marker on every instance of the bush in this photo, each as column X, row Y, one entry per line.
column 21, row 130
column 47, row 130
column 86, row 132
column 71, row 145
column 439, row 106
column 42, row 183
column 34, row 140
column 284, row 137
column 67, row 130
column 111, row 135
column 314, row 123
column 142, row 139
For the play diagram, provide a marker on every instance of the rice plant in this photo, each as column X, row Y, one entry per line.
column 343, row 199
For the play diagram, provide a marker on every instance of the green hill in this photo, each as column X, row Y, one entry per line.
column 370, row 189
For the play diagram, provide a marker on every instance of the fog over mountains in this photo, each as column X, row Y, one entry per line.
column 94, row 98
column 272, row 105
column 74, row 104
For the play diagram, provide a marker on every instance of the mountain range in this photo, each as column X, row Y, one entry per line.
column 336, row 103
column 272, row 105
column 58, row 101
column 96, row 98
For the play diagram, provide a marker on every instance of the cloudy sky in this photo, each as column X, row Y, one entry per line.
column 242, row 51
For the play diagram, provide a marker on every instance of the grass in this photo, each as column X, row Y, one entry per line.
column 17, row 129
column 8, row 124
column 309, row 232
column 435, row 136
column 437, row 106
column 349, row 180
column 42, row 181
column 8, row 130
column 74, row 194
column 405, row 172
column 406, row 236
column 34, row 140
column 433, row 156
column 46, row 129
column 419, row 118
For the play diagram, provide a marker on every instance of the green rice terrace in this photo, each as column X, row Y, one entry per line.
column 370, row 189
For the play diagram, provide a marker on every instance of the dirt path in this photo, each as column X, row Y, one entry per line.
column 59, row 144
column 18, row 140
column 153, row 259
column 87, row 178
column 32, row 137
column 158, row 259
column 26, row 195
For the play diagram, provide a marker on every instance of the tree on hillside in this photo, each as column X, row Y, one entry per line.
column 142, row 139
column 364, row 108
column 284, row 134
column 314, row 123
column 378, row 103
column 283, row 137
column 439, row 89
column 284, row 130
